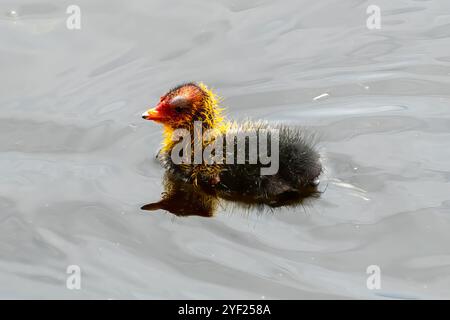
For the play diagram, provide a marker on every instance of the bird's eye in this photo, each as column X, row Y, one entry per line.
column 179, row 104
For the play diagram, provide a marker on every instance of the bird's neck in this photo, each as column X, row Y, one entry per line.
column 195, row 130
column 202, row 129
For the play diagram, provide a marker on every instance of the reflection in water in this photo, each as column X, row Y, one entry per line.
column 185, row 199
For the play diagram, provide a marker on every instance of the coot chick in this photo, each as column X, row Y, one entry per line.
column 250, row 162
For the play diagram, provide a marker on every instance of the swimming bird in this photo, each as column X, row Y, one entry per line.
column 223, row 160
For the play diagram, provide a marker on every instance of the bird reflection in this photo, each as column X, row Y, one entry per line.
column 185, row 199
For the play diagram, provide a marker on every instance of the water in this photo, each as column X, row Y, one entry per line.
column 76, row 159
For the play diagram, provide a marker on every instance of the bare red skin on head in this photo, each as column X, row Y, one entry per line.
column 166, row 108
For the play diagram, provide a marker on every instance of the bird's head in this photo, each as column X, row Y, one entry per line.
column 184, row 104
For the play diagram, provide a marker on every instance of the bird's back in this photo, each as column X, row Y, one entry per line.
column 298, row 163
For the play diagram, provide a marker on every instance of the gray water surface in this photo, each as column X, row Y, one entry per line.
column 76, row 159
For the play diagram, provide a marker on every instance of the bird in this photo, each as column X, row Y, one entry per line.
column 221, row 164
